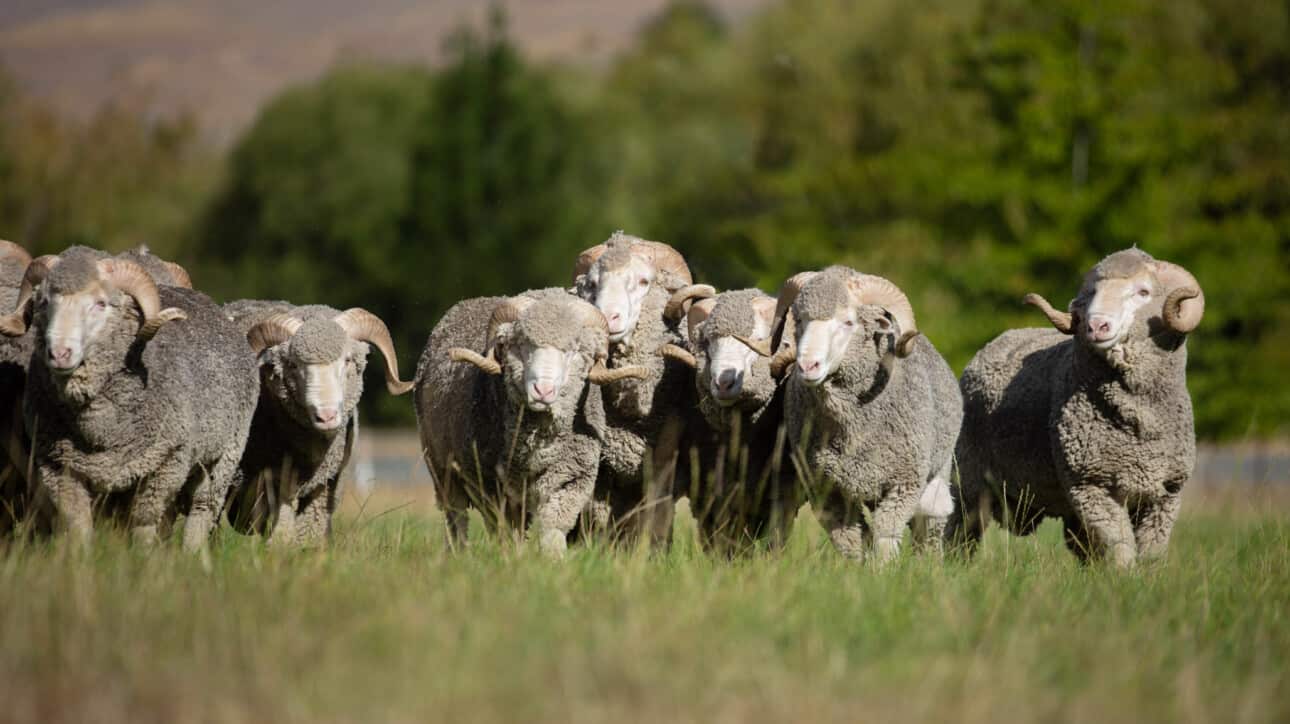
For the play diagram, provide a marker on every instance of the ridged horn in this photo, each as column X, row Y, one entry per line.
column 180, row 275
column 698, row 314
column 363, row 326
column 675, row 308
column 784, row 302
column 1061, row 321
column 133, row 280
column 272, row 332
column 665, row 259
column 14, row 253
column 602, row 375
column 782, row 359
column 14, row 324
column 1184, row 299
column 880, row 292
column 584, row 261
column 487, row 364
column 678, row 353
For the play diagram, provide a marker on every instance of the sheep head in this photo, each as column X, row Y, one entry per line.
column 546, row 347
column 618, row 275
column 322, row 361
column 832, row 308
column 1128, row 290
column 729, row 336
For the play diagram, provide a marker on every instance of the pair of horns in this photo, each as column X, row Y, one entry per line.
column 655, row 253
column 510, row 310
column 124, row 275
column 359, row 325
column 1184, row 301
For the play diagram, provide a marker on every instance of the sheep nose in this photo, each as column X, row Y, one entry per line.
column 808, row 365
column 60, row 355
column 1099, row 326
column 325, row 415
column 544, row 391
column 615, row 320
column 727, row 382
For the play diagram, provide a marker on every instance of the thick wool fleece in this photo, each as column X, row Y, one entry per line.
column 741, row 483
column 876, row 435
column 165, row 419
column 289, row 479
column 1104, row 442
column 484, row 448
column 16, row 491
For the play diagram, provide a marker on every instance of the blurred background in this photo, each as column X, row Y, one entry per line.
column 401, row 155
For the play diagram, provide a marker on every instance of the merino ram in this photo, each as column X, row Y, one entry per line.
column 1090, row 422
column 873, row 408
column 132, row 388
column 742, row 486
column 508, row 402
column 631, row 282
column 312, row 360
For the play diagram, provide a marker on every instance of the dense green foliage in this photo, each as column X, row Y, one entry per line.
column 389, row 626
column 971, row 150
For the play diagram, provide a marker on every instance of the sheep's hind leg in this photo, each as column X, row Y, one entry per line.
column 208, row 502
column 1107, row 522
column 932, row 516
column 846, row 526
column 313, row 522
column 890, row 517
column 153, row 499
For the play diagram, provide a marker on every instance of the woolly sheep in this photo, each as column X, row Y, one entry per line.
column 312, row 360
column 873, row 409
column 509, row 424
column 631, row 281
column 750, row 490
column 134, row 388
column 1090, row 423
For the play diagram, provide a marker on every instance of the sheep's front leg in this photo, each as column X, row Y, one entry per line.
column 287, row 498
column 72, row 501
column 208, row 502
column 846, row 526
column 153, row 499
column 313, row 522
column 1154, row 523
column 890, row 517
column 1107, row 521
column 558, row 507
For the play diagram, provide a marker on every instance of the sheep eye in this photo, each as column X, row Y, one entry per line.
column 1144, row 292
column 849, row 324
column 100, row 304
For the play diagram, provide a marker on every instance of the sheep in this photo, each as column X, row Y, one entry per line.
column 132, row 388
column 750, row 491
column 1090, row 422
column 15, row 355
column 508, row 422
column 312, row 360
column 872, row 408
column 631, row 282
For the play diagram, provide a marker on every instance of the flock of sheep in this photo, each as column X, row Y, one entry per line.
column 567, row 412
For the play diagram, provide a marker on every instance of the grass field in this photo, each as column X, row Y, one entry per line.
column 388, row 626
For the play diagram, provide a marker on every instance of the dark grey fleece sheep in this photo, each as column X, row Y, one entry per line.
column 742, row 485
column 509, row 409
column 124, row 395
column 873, row 409
column 312, row 361
column 1095, row 430
column 15, row 356
column 631, row 280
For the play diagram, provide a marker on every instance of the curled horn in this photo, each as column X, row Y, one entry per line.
column 586, row 259
column 271, row 332
column 15, row 323
column 784, row 302
column 665, row 259
column 363, row 326
column 508, row 310
column 875, row 290
column 1184, row 300
column 133, row 280
column 675, row 308
column 782, row 359
column 600, row 374
column 487, row 364
column 10, row 250
column 698, row 314
column 762, row 307
column 678, row 353
column 180, row 275
column 1061, row 321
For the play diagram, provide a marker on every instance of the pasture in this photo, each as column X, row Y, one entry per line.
column 388, row 625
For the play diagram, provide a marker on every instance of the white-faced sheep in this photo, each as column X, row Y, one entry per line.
column 132, row 387
column 1090, row 423
column 742, row 486
column 312, row 360
column 631, row 281
column 508, row 398
column 872, row 408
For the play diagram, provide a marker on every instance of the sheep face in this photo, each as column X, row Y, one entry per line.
column 618, row 284
column 728, row 370
column 77, row 307
column 321, row 374
column 1120, row 294
column 828, row 321
column 546, row 356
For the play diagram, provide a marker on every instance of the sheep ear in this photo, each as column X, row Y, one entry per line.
column 884, row 324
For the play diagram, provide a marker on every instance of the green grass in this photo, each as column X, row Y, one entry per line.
column 388, row 626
